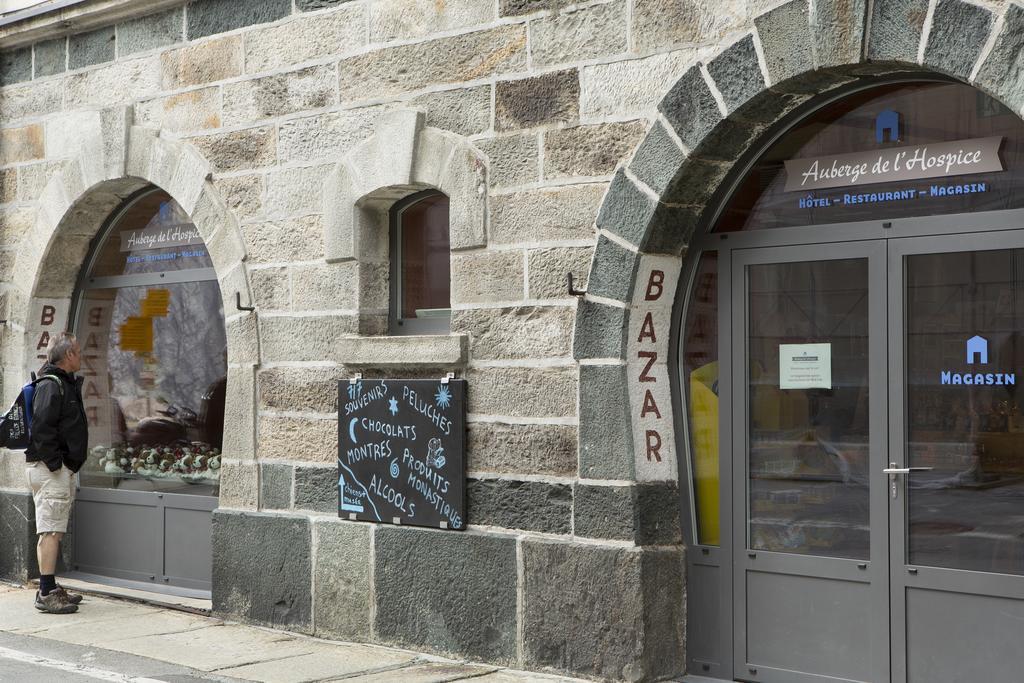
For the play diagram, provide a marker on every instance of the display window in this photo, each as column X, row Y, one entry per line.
column 150, row 321
column 420, row 265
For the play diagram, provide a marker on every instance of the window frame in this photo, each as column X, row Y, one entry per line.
column 397, row 325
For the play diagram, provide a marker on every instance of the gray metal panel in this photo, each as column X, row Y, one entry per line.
column 117, row 539
column 814, row 626
column 703, row 623
column 187, row 545
column 955, row 637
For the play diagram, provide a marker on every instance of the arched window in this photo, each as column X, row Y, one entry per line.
column 420, row 265
column 150, row 321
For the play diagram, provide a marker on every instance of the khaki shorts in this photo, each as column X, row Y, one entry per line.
column 52, row 493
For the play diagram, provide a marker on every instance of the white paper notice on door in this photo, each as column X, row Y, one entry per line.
column 805, row 366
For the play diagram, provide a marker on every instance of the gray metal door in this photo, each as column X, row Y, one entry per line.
column 809, row 498
column 956, row 444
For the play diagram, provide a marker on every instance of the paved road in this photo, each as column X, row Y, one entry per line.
column 124, row 642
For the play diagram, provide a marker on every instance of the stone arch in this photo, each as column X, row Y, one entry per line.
column 402, row 157
column 106, row 160
column 709, row 121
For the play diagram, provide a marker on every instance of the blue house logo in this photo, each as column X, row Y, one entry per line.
column 977, row 350
column 977, row 353
column 887, row 126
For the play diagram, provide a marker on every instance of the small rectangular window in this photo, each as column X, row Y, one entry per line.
column 420, row 265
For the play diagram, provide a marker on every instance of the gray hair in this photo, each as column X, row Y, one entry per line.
column 57, row 349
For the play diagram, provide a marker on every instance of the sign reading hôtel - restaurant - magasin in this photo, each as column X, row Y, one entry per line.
column 401, row 451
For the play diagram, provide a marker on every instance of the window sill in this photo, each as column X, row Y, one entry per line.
column 424, row 350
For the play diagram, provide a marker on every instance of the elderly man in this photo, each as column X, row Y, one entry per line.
column 57, row 449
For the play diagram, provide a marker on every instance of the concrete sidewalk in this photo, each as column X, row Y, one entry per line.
column 181, row 646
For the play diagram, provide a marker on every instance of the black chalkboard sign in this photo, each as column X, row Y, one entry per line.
column 401, row 451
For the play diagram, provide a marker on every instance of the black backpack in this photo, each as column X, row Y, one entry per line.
column 16, row 425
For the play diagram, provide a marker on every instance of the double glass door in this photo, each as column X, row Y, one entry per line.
column 880, row 500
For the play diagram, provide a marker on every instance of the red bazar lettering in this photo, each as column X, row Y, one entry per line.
column 653, row 445
column 655, row 283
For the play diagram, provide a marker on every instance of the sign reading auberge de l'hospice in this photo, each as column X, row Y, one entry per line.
column 401, row 451
column 944, row 159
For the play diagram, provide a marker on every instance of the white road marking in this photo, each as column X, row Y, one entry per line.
column 69, row 667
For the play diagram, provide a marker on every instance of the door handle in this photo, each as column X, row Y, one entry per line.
column 904, row 470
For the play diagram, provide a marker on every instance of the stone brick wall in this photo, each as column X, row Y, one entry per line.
column 573, row 535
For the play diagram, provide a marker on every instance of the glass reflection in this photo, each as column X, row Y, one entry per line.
column 964, row 418
column 808, row 455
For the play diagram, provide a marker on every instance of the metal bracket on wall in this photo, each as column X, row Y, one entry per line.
column 238, row 303
column 572, row 290
column 355, row 378
column 447, row 378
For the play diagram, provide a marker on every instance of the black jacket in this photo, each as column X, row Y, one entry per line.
column 59, row 432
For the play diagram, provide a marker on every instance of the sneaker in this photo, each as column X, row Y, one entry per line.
column 54, row 603
column 73, row 598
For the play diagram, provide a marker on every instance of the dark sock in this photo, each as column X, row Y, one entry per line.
column 47, row 583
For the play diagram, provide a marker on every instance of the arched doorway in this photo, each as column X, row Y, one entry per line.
column 148, row 311
column 848, row 358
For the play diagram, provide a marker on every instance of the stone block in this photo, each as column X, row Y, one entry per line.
column 93, row 47
column 17, row 535
column 606, row 433
column 1002, row 73
column 658, row 516
column 658, row 24
column 341, row 579
column 499, row 448
column 613, row 271
column 295, row 191
column 838, row 30
column 539, row 100
column 290, row 239
column 787, row 41
column 15, row 66
column 514, row 159
column 300, row 389
column 150, row 32
column 690, row 108
column 209, row 17
column 316, row 488
column 243, row 196
column 451, row 593
column 271, row 586
column 464, row 180
column 311, row 5
column 545, row 215
column 547, row 270
column 630, row 87
column 522, row 392
column 297, row 438
column 28, row 101
column 239, row 413
column 21, row 144
column 589, row 150
column 627, row 211
column 210, row 61
column 464, row 112
column 122, row 82
column 702, row 178
column 271, row 287
column 604, row 511
column 452, row 59
column 304, row 337
column 896, row 28
column 594, row 322
column 736, row 73
column 577, row 35
column 8, row 185
column 51, row 57
column 583, row 609
column 325, row 286
column 325, row 136
column 398, row 20
column 187, row 111
column 657, row 160
column 278, row 47
column 527, row 505
column 275, row 486
column 517, row 332
column 239, row 485
column 239, row 150
column 959, row 32
column 277, row 95
column 663, row 581
column 15, row 223
column 486, row 277
column 508, row 8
